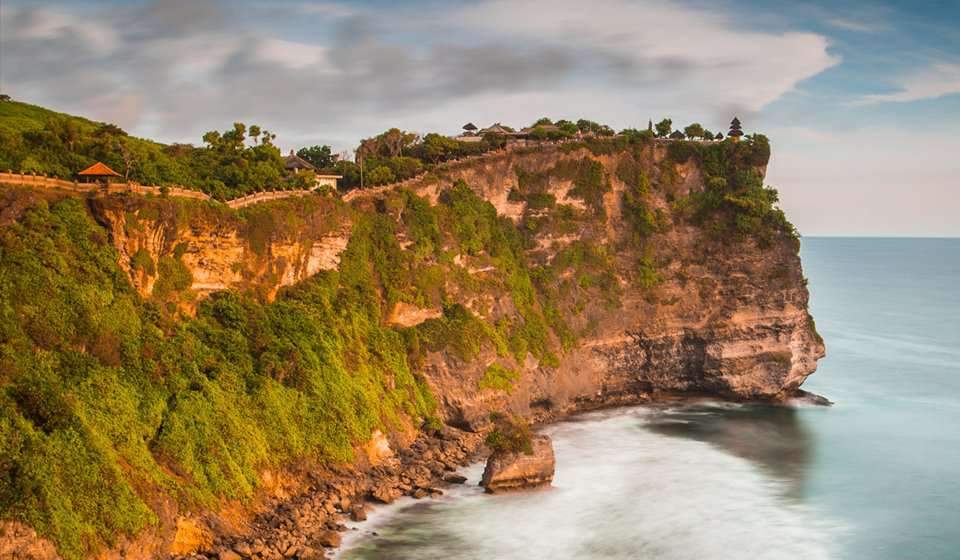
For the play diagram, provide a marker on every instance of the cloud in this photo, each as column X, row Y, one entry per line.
column 672, row 51
column 175, row 68
column 932, row 82
column 326, row 9
column 855, row 25
column 865, row 181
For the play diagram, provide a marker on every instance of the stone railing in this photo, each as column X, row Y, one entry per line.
column 265, row 196
column 41, row 181
column 110, row 188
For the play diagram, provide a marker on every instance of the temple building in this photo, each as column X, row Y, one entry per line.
column 735, row 130
column 296, row 164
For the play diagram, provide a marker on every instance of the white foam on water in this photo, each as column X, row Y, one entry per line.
column 620, row 492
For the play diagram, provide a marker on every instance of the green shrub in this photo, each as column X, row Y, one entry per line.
column 510, row 435
column 142, row 261
column 499, row 378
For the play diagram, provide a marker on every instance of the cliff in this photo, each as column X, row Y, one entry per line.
column 534, row 282
column 681, row 310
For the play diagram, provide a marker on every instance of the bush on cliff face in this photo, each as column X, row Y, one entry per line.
column 734, row 201
column 512, row 435
column 499, row 378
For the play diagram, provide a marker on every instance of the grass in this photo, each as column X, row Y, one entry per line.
column 499, row 378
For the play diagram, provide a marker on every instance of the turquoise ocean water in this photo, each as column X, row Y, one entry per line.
column 874, row 477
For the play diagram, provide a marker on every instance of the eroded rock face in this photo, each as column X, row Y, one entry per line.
column 224, row 249
column 508, row 470
column 21, row 542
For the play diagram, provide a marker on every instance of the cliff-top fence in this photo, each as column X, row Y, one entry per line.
column 97, row 188
column 20, row 179
column 254, row 198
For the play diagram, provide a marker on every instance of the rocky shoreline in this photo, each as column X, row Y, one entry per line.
column 308, row 525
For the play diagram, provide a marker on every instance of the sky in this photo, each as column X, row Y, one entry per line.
column 861, row 100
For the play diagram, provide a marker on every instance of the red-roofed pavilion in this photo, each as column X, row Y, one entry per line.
column 97, row 173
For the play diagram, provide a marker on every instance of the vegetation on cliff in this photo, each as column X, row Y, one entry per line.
column 107, row 401
column 233, row 163
column 110, row 403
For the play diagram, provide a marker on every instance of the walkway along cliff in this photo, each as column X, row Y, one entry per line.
column 531, row 283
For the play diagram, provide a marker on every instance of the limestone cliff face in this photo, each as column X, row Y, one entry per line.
column 261, row 249
column 726, row 318
column 706, row 314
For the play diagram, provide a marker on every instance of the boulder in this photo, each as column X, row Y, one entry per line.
column 385, row 493
column 358, row 513
column 510, row 470
column 455, row 478
column 227, row 554
column 326, row 539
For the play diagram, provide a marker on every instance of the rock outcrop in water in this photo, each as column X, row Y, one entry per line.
column 519, row 470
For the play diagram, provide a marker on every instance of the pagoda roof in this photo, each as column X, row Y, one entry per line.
column 293, row 161
column 99, row 169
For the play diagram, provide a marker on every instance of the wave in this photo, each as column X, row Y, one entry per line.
column 622, row 491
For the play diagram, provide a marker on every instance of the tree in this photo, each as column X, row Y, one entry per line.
column 664, row 127
column 255, row 133
column 567, row 127
column 320, row 157
column 436, row 147
column 707, row 135
column 587, row 126
column 542, row 121
column 694, row 130
column 129, row 160
column 605, row 130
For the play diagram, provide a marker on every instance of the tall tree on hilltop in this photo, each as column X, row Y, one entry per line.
column 695, row 130
column 320, row 157
column 664, row 127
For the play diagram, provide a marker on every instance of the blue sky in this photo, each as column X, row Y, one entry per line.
column 860, row 99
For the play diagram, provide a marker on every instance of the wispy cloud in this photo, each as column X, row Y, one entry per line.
column 857, row 26
column 932, row 82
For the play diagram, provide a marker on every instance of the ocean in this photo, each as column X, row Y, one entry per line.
column 875, row 476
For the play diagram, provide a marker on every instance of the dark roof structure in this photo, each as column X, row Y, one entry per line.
column 496, row 128
column 470, row 127
column 735, row 128
column 98, row 169
column 295, row 162
column 677, row 135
